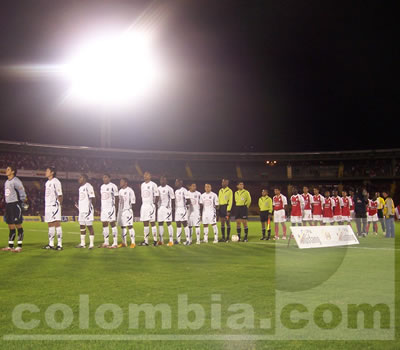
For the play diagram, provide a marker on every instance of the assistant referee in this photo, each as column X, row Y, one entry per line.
column 265, row 205
column 242, row 202
column 225, row 198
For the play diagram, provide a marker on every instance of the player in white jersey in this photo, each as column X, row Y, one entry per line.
column 86, row 211
column 125, row 214
column 149, row 192
column 108, row 215
column 182, row 203
column 194, row 215
column 210, row 203
column 165, row 204
column 52, row 213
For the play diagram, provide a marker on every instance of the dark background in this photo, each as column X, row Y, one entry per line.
column 244, row 75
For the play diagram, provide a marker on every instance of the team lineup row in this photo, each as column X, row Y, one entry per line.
column 187, row 207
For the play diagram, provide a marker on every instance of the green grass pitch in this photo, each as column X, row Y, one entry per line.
column 260, row 274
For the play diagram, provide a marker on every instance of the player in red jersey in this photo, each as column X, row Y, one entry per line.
column 347, row 204
column 372, row 214
column 317, row 203
column 280, row 204
column 337, row 209
column 307, row 212
column 327, row 211
column 352, row 213
column 297, row 205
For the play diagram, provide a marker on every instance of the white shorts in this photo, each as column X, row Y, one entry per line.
column 296, row 219
column 346, row 218
column 372, row 218
column 307, row 215
column 125, row 218
column 52, row 213
column 317, row 217
column 194, row 219
column 209, row 218
column 108, row 215
column 279, row 216
column 164, row 214
column 327, row 220
column 337, row 218
column 148, row 212
column 86, row 218
column 181, row 214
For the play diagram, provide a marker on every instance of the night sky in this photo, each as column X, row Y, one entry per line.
column 266, row 76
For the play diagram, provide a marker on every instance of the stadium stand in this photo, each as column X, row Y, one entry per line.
column 374, row 170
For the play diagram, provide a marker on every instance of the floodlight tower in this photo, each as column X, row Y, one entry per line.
column 111, row 73
column 105, row 132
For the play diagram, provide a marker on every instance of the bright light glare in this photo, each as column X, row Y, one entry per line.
column 113, row 70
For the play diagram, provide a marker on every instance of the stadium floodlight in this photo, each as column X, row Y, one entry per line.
column 113, row 69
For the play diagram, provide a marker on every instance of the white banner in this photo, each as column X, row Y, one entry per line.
column 323, row 236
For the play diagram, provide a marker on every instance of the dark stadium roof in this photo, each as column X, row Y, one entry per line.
column 208, row 156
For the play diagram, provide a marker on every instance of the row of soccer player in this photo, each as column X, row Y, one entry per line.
column 190, row 208
column 318, row 209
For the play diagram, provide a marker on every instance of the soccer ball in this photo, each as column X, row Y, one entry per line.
column 235, row 238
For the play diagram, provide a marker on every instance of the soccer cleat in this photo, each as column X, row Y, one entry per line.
column 91, row 247
column 205, row 241
column 245, row 240
column 262, row 238
column 48, row 247
column 114, row 246
column 176, row 242
column 188, row 243
column 222, row 240
column 7, row 249
column 198, row 242
column 170, row 244
column 17, row 250
column 59, row 248
column 227, row 241
column 80, row 246
column 215, row 241
column 144, row 244
column 276, row 238
column 133, row 245
column 104, row 245
column 160, row 243
column 122, row 245
column 155, row 244
column 284, row 237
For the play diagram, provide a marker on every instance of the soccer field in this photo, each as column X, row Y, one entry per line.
column 242, row 293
